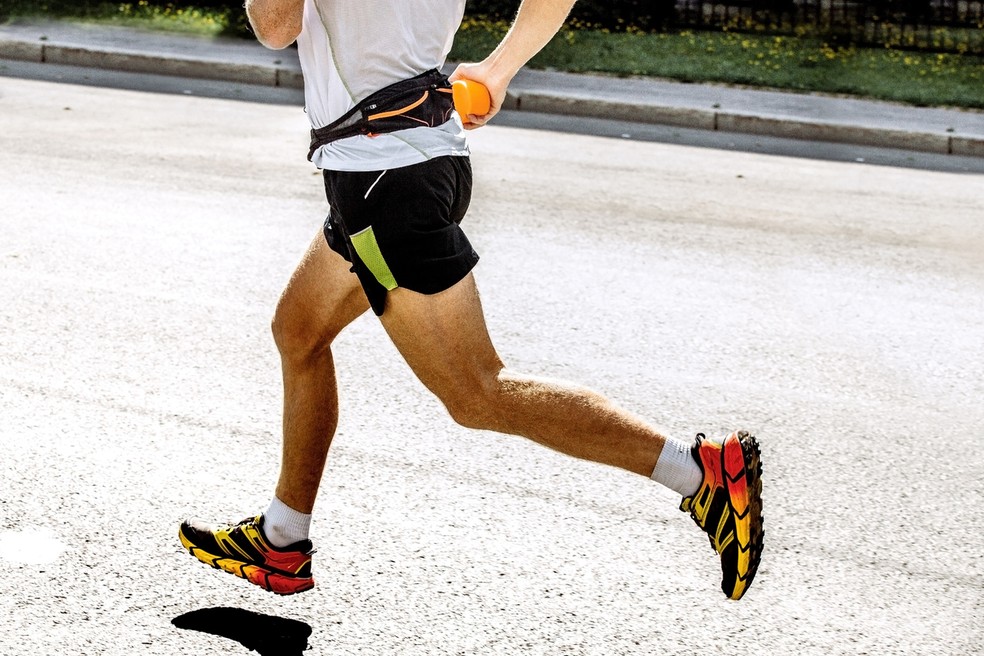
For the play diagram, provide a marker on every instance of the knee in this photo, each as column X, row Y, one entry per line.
column 475, row 405
column 298, row 337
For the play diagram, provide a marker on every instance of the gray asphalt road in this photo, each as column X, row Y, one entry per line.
column 834, row 308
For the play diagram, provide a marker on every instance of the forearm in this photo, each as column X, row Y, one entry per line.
column 536, row 23
column 276, row 23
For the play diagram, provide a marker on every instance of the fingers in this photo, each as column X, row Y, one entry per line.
column 497, row 91
column 472, row 122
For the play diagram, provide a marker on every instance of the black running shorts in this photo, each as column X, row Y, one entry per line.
column 400, row 227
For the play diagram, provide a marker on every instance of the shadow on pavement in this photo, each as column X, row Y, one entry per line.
column 265, row 634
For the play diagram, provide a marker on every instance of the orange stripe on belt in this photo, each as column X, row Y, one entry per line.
column 397, row 112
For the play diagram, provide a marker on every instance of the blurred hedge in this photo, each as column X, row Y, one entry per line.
column 607, row 14
column 603, row 13
column 230, row 13
column 934, row 25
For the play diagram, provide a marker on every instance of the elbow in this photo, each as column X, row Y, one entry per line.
column 276, row 44
column 275, row 38
column 274, row 28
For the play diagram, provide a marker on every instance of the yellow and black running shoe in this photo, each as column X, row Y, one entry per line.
column 244, row 551
column 728, row 506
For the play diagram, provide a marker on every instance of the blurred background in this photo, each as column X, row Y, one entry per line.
column 923, row 52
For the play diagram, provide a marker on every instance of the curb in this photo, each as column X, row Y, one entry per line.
column 548, row 103
column 131, row 62
column 518, row 99
column 770, row 126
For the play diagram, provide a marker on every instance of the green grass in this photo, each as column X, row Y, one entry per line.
column 801, row 63
column 174, row 18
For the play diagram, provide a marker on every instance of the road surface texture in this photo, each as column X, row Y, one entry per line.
column 835, row 309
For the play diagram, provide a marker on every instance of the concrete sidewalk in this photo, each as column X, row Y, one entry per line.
column 709, row 107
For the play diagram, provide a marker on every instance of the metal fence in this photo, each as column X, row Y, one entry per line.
column 941, row 25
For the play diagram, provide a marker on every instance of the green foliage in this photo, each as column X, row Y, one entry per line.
column 913, row 24
column 92, row 6
column 200, row 16
column 616, row 15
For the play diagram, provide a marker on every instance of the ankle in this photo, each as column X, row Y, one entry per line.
column 677, row 469
column 283, row 526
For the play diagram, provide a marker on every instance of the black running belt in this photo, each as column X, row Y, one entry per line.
column 421, row 101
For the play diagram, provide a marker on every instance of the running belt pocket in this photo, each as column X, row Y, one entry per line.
column 421, row 101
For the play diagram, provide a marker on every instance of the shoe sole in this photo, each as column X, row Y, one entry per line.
column 744, row 486
column 269, row 580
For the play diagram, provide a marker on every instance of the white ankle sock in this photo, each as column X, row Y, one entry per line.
column 677, row 469
column 282, row 525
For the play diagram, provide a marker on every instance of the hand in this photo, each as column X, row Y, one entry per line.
column 497, row 91
column 536, row 23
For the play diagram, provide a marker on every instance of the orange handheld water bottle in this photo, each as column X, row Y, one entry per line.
column 470, row 97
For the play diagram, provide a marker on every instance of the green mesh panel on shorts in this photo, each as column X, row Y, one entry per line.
column 368, row 249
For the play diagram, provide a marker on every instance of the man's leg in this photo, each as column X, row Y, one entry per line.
column 322, row 297
column 444, row 339
column 272, row 550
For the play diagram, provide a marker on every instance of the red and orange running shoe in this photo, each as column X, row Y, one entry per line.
column 244, row 551
column 728, row 506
